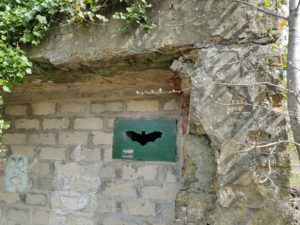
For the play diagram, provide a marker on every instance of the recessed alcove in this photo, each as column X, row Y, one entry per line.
column 70, row 126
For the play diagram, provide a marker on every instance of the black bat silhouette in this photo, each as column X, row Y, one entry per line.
column 143, row 138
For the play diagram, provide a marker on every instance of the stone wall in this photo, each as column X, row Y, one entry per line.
column 74, row 179
column 231, row 167
column 234, row 104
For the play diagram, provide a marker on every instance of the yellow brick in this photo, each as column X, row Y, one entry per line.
column 102, row 138
column 55, row 123
column 143, row 106
column 73, row 107
column 43, row 108
column 106, row 107
column 14, row 139
column 27, row 124
column 53, row 153
column 16, row 110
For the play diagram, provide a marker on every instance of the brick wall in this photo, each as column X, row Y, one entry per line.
column 75, row 180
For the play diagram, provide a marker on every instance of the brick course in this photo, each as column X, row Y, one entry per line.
column 75, row 173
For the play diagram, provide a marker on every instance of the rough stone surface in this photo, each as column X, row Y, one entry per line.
column 196, row 202
column 203, row 24
column 231, row 115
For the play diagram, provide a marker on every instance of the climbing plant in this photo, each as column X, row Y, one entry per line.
column 26, row 23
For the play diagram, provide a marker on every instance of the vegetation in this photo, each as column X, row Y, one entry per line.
column 25, row 22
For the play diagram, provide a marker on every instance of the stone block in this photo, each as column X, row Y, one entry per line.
column 41, row 169
column 27, row 124
column 58, row 124
column 78, row 170
column 171, row 191
column 102, row 138
column 144, row 172
column 44, row 183
column 105, row 205
column 106, row 107
column 36, row 199
column 172, row 104
column 116, row 221
column 143, row 106
column 171, row 175
column 73, row 138
column 138, row 208
column 27, row 151
column 73, row 107
column 16, row 110
column 9, row 198
column 148, row 172
column 153, row 192
column 109, row 124
column 71, row 202
column 50, row 153
column 155, row 223
column 107, row 171
column 107, row 154
column 87, row 155
column 120, row 189
column 2, row 181
column 18, row 215
column 40, row 217
column 88, row 124
column 81, row 185
column 42, row 138
column 14, row 139
column 129, row 172
column 43, row 108
column 81, row 221
column 56, row 218
column 167, row 192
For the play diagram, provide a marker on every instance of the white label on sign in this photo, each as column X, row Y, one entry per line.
column 127, row 153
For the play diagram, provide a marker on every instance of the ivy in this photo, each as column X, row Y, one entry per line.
column 26, row 22
column 136, row 13
column 14, row 65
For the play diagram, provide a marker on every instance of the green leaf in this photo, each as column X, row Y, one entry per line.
column 267, row 3
column 6, row 88
column 26, row 38
column 270, row 62
column 6, row 125
column 100, row 17
column 28, row 71
column 41, row 19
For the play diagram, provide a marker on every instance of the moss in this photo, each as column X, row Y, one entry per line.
column 189, row 170
column 294, row 179
column 196, row 127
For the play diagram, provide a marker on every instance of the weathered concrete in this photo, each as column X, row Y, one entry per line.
column 235, row 109
column 179, row 27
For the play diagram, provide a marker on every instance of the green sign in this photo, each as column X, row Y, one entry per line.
column 145, row 139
